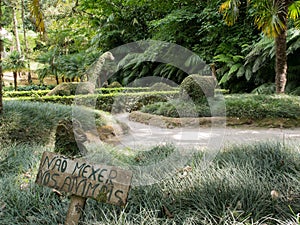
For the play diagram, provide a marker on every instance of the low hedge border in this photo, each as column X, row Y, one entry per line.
column 117, row 102
column 169, row 122
column 34, row 93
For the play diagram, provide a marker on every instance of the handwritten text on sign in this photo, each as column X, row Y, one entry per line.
column 103, row 183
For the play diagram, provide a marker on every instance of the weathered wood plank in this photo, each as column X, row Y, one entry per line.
column 104, row 183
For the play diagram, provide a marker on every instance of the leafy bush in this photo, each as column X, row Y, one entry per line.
column 296, row 91
column 262, row 106
column 268, row 88
column 196, row 87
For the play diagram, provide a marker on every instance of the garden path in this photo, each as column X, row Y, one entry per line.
column 142, row 135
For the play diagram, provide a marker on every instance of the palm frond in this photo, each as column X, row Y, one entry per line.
column 267, row 16
column 230, row 11
column 294, row 10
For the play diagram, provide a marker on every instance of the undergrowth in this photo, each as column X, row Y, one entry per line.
column 234, row 189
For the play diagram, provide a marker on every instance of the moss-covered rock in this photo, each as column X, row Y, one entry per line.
column 197, row 87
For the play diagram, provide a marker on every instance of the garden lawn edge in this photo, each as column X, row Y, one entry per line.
column 169, row 122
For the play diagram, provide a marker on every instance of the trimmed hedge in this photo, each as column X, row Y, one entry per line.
column 32, row 93
column 249, row 106
column 118, row 102
column 196, row 87
column 40, row 93
column 33, row 87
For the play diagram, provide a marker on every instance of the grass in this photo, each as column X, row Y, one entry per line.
column 234, row 189
column 30, row 122
column 35, row 122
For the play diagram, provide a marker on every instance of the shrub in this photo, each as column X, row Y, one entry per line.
column 114, row 84
column 67, row 89
column 178, row 109
column 239, row 106
column 106, row 102
column 29, row 87
column 32, row 93
column 161, row 87
column 197, row 87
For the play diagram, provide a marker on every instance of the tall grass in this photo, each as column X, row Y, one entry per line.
column 35, row 122
column 30, row 122
column 234, row 189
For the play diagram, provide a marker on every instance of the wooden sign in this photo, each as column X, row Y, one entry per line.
column 104, row 183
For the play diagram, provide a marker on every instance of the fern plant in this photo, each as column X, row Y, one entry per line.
column 258, row 63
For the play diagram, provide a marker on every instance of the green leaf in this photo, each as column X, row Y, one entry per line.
column 248, row 74
column 234, row 68
column 241, row 71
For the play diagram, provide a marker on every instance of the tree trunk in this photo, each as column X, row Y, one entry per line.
column 15, row 22
column 1, row 51
column 15, row 74
column 29, row 79
column 57, row 80
column 281, row 55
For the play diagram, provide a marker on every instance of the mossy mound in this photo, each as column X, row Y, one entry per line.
column 67, row 89
column 197, row 87
column 161, row 87
column 115, row 84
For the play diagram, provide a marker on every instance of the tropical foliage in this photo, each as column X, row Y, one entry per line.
column 271, row 18
column 73, row 34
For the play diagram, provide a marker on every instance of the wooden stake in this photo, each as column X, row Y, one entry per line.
column 75, row 210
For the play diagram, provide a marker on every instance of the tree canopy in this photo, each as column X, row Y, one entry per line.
column 71, row 35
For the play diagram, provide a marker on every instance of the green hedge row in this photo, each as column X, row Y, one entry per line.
column 40, row 93
column 32, row 93
column 117, row 102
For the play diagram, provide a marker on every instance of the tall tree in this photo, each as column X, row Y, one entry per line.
column 271, row 17
column 17, row 40
column 1, row 51
column 15, row 26
column 25, row 40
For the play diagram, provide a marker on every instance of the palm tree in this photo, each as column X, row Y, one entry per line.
column 271, row 17
column 16, row 63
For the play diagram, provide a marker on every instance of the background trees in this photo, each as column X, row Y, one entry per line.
column 72, row 34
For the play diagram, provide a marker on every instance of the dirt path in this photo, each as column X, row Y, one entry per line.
column 142, row 135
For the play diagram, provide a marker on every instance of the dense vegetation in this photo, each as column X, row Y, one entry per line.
column 74, row 34
column 245, row 184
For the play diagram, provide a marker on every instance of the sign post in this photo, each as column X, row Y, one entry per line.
column 83, row 180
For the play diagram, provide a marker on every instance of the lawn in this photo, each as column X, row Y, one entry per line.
column 248, row 184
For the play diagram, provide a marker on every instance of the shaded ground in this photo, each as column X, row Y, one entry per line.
column 22, row 80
